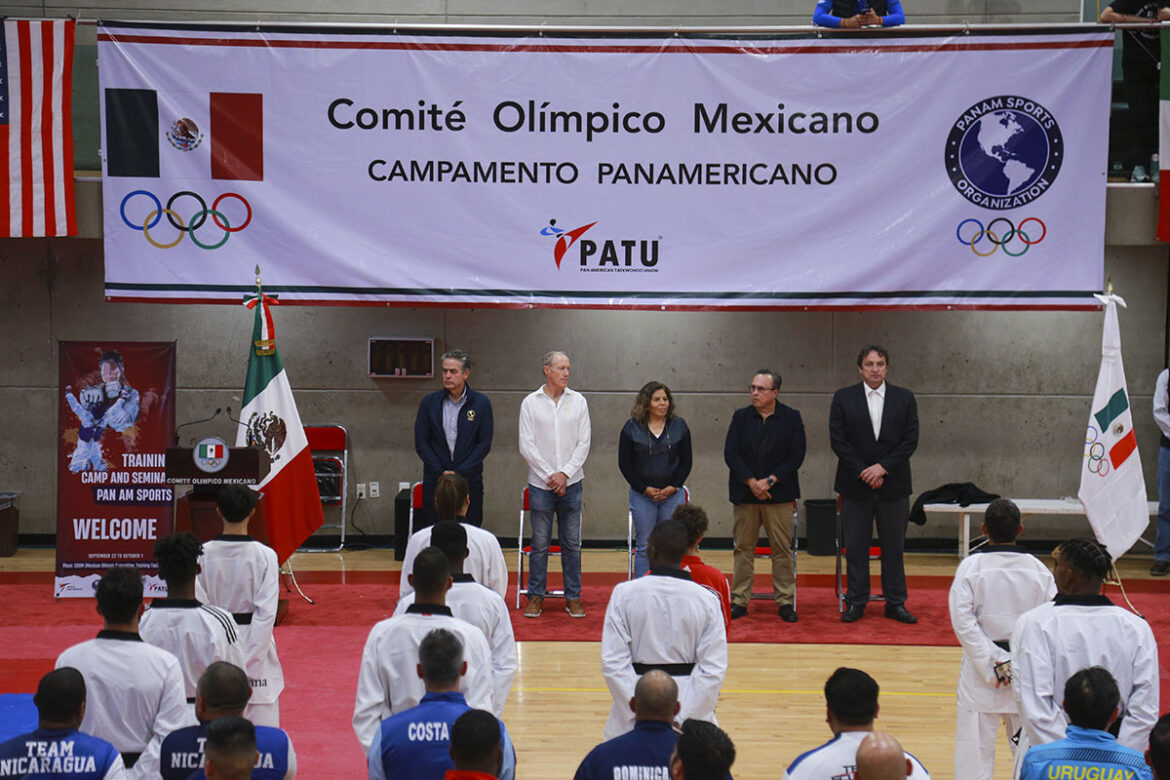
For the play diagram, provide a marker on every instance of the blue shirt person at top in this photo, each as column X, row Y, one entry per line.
column 853, row 14
column 654, row 455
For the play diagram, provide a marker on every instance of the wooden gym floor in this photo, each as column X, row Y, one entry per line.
column 772, row 702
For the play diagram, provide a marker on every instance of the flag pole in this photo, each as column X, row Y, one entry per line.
column 286, row 569
column 1114, row 577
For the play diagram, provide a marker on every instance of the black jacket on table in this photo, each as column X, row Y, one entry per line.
column 851, row 434
column 757, row 447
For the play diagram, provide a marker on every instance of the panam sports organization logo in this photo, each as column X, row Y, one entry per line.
column 612, row 255
column 1004, row 152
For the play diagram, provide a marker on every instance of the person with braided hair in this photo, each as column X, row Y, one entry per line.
column 1080, row 628
column 197, row 634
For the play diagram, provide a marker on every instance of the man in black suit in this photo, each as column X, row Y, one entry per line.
column 453, row 435
column 873, row 428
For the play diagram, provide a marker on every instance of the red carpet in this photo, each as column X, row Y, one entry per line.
column 360, row 599
column 320, row 645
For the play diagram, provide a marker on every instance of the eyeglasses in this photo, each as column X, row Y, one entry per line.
column 762, row 389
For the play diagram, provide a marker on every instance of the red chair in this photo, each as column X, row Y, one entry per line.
column 875, row 554
column 524, row 550
column 415, row 506
column 765, row 551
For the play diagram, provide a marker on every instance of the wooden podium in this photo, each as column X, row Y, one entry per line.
column 195, row 511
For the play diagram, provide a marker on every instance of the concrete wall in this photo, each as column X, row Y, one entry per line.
column 1003, row 396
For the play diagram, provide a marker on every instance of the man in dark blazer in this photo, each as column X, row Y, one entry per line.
column 763, row 451
column 453, row 434
column 873, row 427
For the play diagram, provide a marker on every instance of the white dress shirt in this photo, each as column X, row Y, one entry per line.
column 554, row 436
column 876, row 398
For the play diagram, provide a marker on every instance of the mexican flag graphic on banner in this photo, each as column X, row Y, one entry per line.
column 292, row 504
column 1113, row 488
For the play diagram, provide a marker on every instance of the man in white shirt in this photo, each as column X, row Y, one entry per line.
column 664, row 621
column 134, row 691
column 851, row 699
column 481, row 607
column 554, row 440
column 992, row 588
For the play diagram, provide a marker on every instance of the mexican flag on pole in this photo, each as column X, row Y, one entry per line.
column 1113, row 488
column 292, row 504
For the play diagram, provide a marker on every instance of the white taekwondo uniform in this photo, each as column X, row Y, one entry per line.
column 197, row 634
column 241, row 575
column 388, row 681
column 485, row 560
column 1054, row 641
column 486, row 610
column 992, row 588
column 663, row 620
column 837, row 760
column 133, row 695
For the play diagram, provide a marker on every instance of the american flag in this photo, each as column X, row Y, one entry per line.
column 36, row 128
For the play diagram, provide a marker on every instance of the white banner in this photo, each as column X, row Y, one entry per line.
column 823, row 172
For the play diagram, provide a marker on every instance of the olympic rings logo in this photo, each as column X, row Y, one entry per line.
column 1017, row 237
column 218, row 218
column 1096, row 462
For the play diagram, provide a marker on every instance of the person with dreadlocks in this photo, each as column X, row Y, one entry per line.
column 1080, row 628
column 197, row 634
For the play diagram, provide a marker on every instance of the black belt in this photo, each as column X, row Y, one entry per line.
column 190, row 699
column 130, row 759
column 674, row 670
column 1004, row 645
column 242, row 618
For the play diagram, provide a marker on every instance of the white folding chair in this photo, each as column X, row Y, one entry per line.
column 631, row 542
